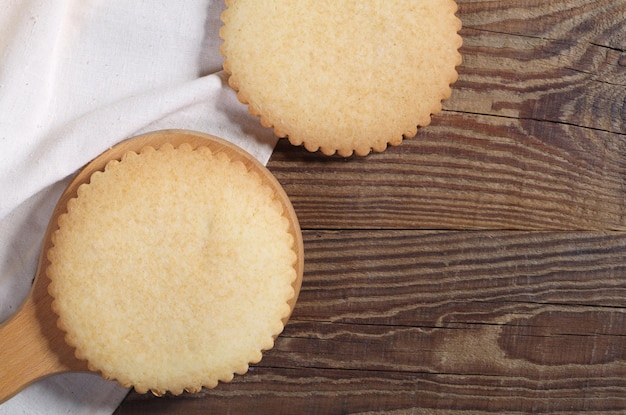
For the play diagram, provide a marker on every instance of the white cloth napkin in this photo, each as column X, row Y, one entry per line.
column 76, row 77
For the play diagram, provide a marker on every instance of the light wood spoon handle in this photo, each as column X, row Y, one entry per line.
column 31, row 345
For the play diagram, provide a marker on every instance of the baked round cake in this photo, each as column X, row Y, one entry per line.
column 172, row 269
column 342, row 76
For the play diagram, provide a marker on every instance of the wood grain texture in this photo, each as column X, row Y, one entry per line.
column 458, row 321
column 480, row 266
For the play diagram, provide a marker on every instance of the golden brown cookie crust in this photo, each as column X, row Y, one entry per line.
column 172, row 269
column 342, row 76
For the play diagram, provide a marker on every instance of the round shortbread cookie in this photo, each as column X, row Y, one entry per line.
column 342, row 75
column 172, row 269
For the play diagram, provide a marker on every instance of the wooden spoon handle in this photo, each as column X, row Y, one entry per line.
column 18, row 370
column 31, row 346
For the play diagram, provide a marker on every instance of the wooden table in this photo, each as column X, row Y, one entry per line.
column 478, row 267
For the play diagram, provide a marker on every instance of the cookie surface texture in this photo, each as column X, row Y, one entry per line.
column 342, row 76
column 171, row 270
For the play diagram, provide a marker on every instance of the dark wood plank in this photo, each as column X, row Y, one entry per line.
column 452, row 321
column 465, row 172
column 559, row 61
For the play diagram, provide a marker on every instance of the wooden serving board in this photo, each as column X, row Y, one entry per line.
column 31, row 345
